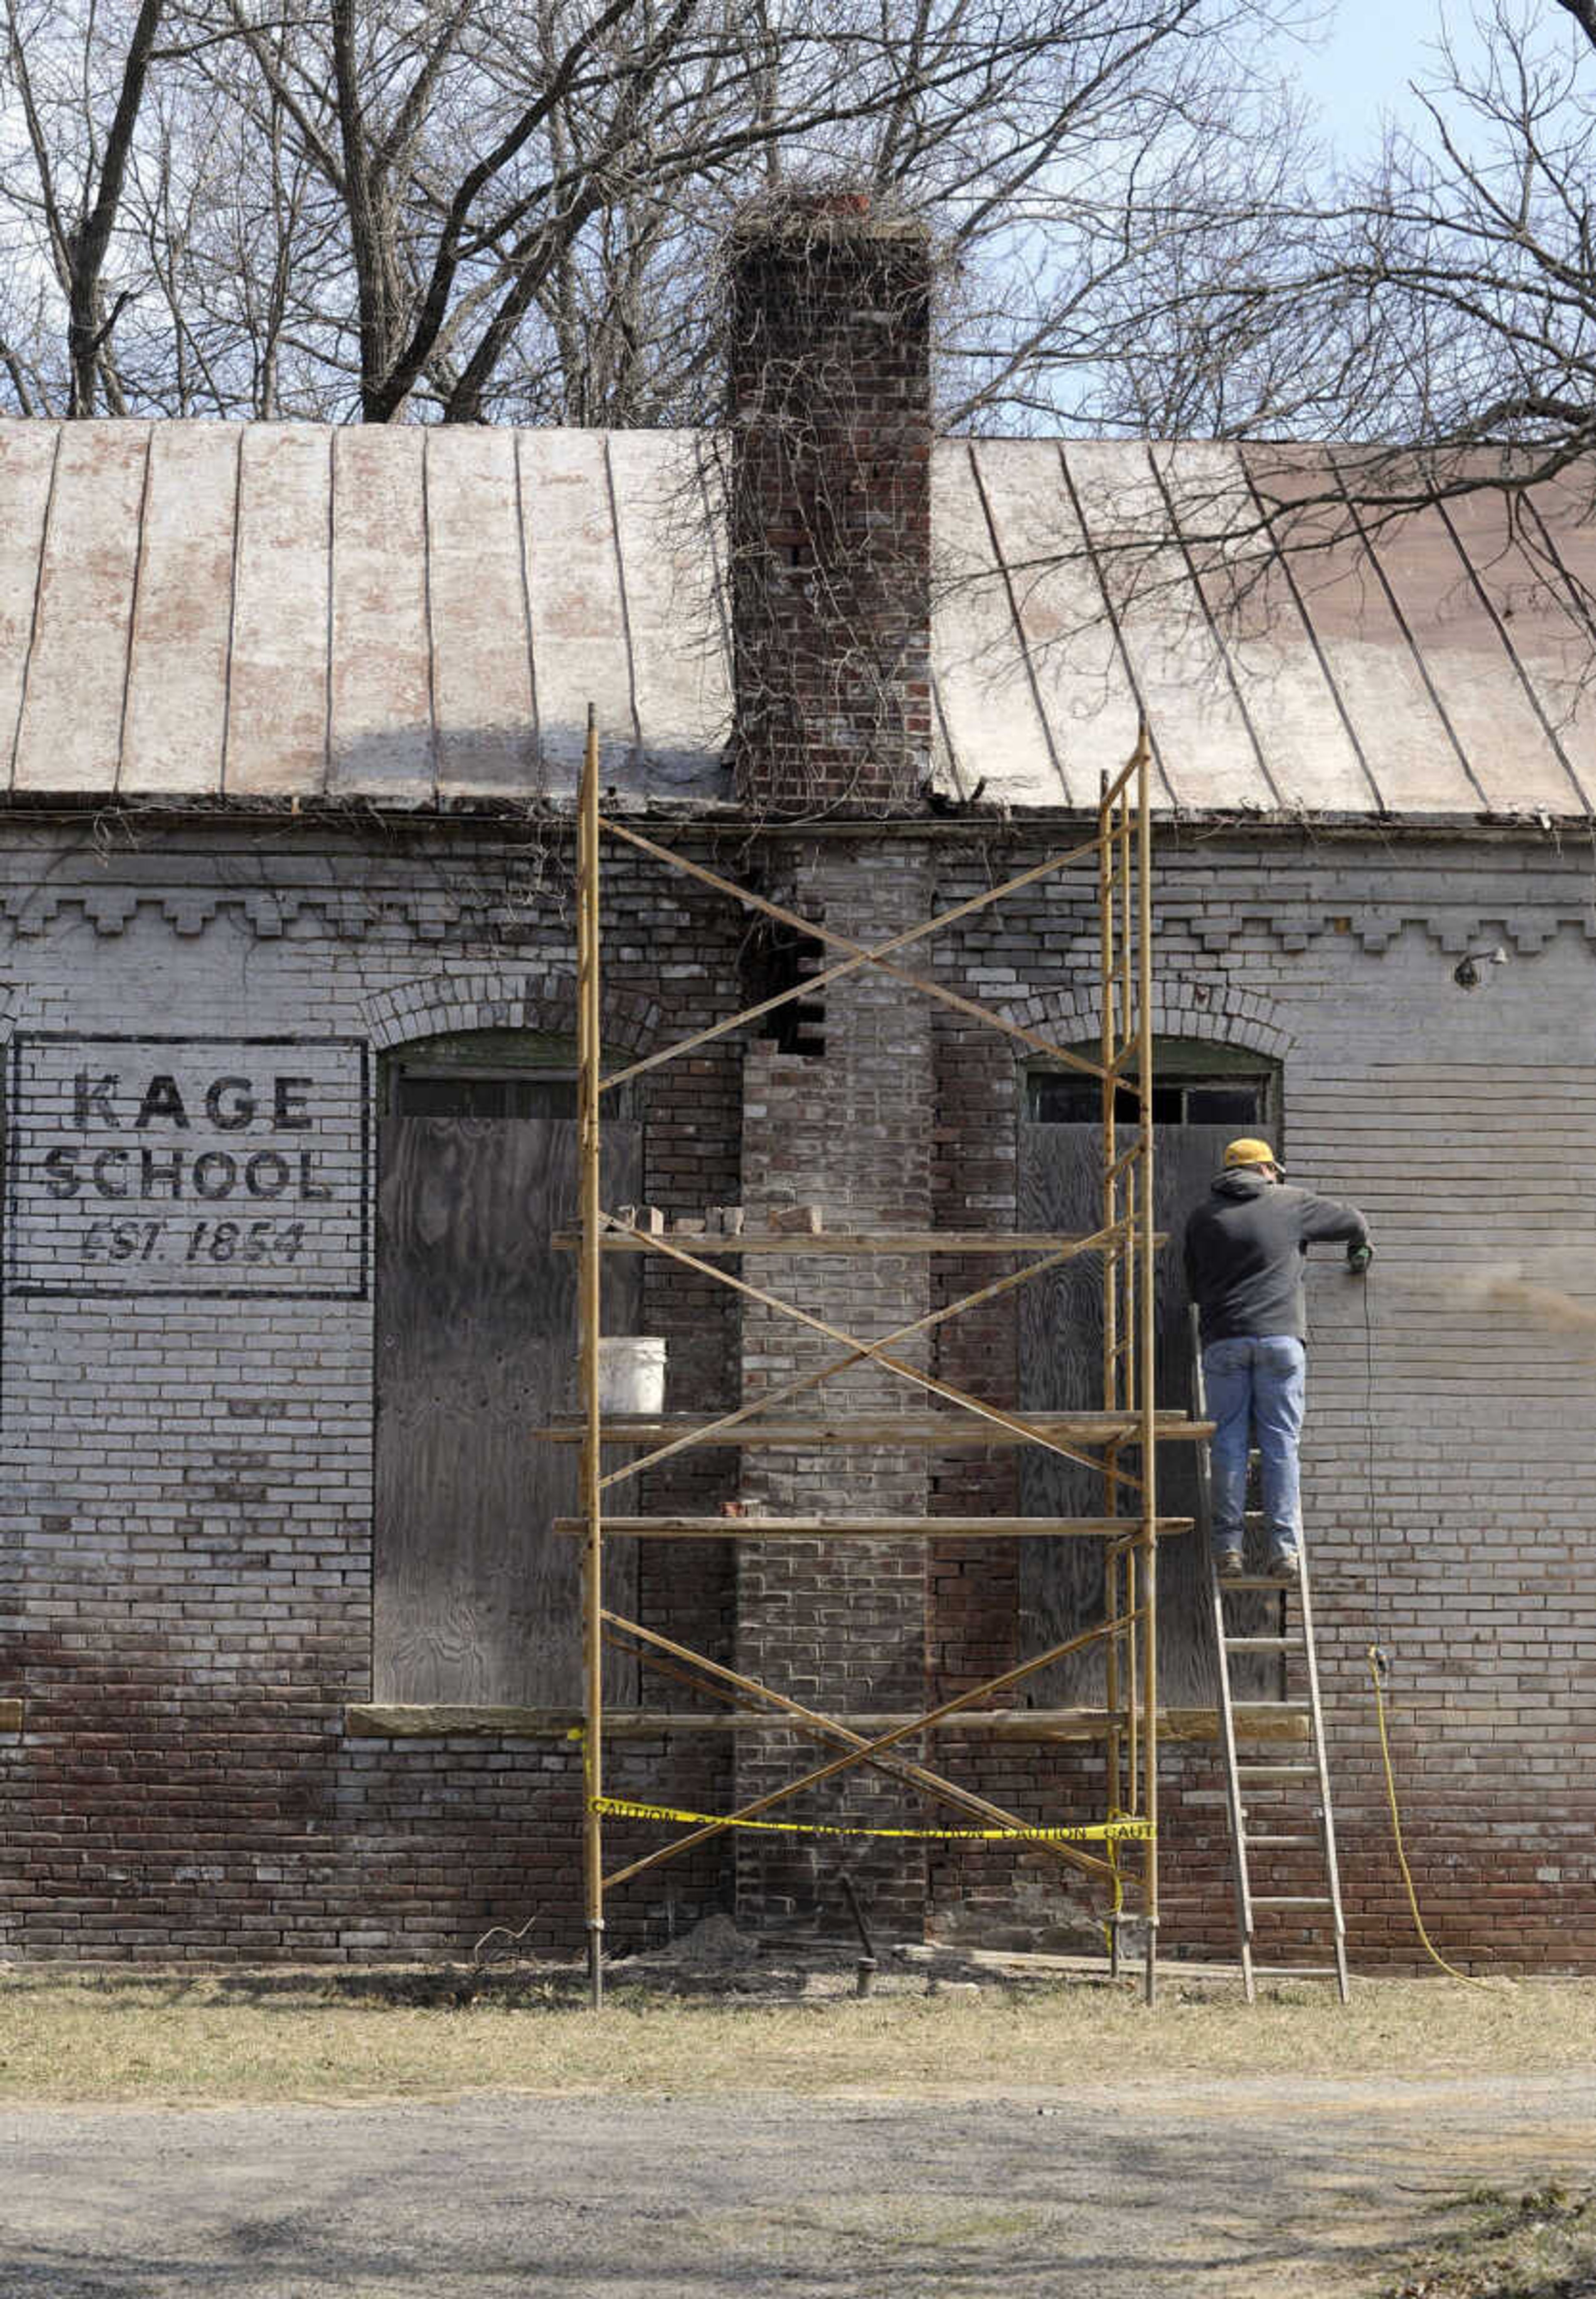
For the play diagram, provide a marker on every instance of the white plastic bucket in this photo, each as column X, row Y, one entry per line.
column 631, row 1372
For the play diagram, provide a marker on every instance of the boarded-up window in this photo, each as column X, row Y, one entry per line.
column 1203, row 1095
column 475, row 1599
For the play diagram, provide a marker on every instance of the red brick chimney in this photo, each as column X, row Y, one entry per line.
column 830, row 504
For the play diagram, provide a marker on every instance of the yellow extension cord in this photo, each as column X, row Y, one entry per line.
column 1377, row 1670
column 1112, row 1832
column 1119, row 1828
column 1376, row 1665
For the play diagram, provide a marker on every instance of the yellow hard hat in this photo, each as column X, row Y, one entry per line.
column 1246, row 1152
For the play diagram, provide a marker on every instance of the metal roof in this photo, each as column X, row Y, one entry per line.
column 420, row 616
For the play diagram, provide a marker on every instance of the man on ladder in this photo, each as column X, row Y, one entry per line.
column 1245, row 1249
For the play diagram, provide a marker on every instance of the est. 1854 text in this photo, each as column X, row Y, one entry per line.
column 248, row 1242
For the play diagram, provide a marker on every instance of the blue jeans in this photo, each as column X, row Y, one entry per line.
column 1256, row 1386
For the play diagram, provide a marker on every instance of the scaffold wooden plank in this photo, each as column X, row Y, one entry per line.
column 370, row 1720
column 870, row 1528
column 942, row 1431
column 968, row 1241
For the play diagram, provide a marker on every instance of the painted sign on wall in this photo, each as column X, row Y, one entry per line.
column 231, row 1166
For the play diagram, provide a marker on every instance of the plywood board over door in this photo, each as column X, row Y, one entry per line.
column 475, row 1599
column 1061, row 1581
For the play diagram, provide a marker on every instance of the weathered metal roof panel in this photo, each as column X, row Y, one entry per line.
column 175, row 722
column 69, row 737
column 1373, row 665
column 28, row 454
column 1543, row 627
column 669, row 528
column 278, row 698
column 1498, row 736
column 414, row 616
column 1073, row 666
column 1176, row 657
column 481, row 634
column 381, row 744
column 991, row 727
column 579, row 639
column 1302, row 740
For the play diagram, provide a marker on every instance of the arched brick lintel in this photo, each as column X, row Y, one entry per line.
column 1180, row 1009
column 507, row 998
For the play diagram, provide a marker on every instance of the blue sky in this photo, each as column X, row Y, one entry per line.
column 1373, row 48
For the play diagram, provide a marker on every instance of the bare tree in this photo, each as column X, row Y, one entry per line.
column 1474, row 257
column 235, row 256
column 464, row 209
column 1383, row 344
column 1438, row 316
column 79, row 137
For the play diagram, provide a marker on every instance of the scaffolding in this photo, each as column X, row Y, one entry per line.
column 1116, row 1441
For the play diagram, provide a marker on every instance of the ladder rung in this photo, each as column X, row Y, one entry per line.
column 1295, row 1972
column 1254, row 1518
column 1300, row 1821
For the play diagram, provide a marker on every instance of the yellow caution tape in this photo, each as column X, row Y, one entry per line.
column 1108, row 1831
column 1116, row 1885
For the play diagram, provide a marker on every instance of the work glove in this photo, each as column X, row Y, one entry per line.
column 1359, row 1258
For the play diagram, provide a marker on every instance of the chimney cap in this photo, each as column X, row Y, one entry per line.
column 830, row 214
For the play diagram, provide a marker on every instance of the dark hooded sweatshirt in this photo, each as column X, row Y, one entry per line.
column 1245, row 1247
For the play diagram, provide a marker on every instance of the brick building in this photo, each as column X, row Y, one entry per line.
column 291, row 721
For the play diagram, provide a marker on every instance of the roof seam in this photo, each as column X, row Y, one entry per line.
column 39, row 592
column 713, row 528
column 1120, row 646
column 332, row 571
column 1014, row 617
column 1423, row 668
column 955, row 767
column 521, row 541
column 1577, row 595
column 1214, row 632
column 1506, row 637
column 227, row 668
column 432, row 732
column 133, row 602
column 620, row 585
column 1322, row 661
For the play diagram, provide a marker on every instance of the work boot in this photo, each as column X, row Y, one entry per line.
column 1282, row 1564
column 1227, row 1564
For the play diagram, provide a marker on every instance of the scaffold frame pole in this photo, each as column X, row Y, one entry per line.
column 590, row 1057
column 1126, row 1240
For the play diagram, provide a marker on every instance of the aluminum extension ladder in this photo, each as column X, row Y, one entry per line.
column 1298, row 1815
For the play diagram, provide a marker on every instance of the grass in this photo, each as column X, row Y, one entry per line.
column 78, row 2038
column 1540, row 2246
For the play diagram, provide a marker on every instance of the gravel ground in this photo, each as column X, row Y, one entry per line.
column 1257, row 2188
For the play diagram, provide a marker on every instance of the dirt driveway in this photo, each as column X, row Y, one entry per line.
column 1247, row 2188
